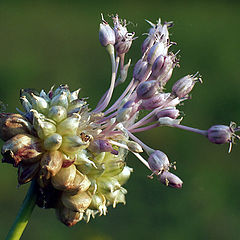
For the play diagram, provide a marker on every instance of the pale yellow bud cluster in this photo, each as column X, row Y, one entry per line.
column 50, row 143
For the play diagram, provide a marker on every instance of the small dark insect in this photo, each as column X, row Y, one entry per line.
column 85, row 137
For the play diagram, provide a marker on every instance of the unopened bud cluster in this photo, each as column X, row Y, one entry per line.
column 77, row 155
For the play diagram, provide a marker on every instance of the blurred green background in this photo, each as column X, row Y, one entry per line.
column 43, row 43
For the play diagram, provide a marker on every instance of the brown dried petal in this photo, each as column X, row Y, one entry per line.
column 27, row 172
column 68, row 216
column 63, row 180
column 52, row 162
column 12, row 124
column 78, row 202
column 22, row 147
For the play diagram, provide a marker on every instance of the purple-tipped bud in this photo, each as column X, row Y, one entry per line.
column 157, row 66
column 168, row 112
column 140, row 70
column 101, row 145
column 158, row 162
column 219, row 134
column 184, row 86
column 155, row 51
column 106, row 34
column 154, row 102
column 171, row 180
column 147, row 44
column 147, row 89
column 124, row 45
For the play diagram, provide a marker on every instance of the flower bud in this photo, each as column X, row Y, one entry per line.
column 52, row 162
column 100, row 145
column 78, row 202
column 68, row 216
column 168, row 112
column 167, row 121
column 108, row 184
column 92, row 170
column 118, row 196
column 171, row 180
column 22, row 147
column 64, row 178
column 60, row 100
column 155, row 101
column 44, row 128
column 99, row 203
column 155, row 51
column 123, row 176
column 124, row 45
column 80, row 183
column 60, row 89
column 219, row 134
column 73, row 143
column 69, row 125
column 25, row 103
column 26, row 172
column 157, row 66
column 147, row 89
column 141, row 70
column 147, row 44
column 106, row 34
column 53, row 142
column 12, row 124
column 113, row 168
column 57, row 113
column 184, row 86
column 134, row 147
column 124, row 114
column 158, row 162
column 39, row 103
column 74, row 95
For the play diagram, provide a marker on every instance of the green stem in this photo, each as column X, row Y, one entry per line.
column 24, row 214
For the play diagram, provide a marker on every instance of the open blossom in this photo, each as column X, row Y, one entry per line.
column 76, row 155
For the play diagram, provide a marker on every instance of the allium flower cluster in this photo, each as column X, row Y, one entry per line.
column 77, row 155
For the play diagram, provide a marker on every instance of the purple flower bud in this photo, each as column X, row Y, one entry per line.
column 169, row 179
column 184, row 86
column 147, row 44
column 147, row 89
column 154, row 102
column 106, row 34
column 168, row 112
column 158, row 162
column 123, row 45
column 219, row 134
column 140, row 70
column 101, row 145
column 157, row 66
column 155, row 51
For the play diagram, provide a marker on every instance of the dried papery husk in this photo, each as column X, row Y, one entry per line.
column 63, row 180
column 81, row 182
column 68, row 216
column 12, row 124
column 52, row 161
column 27, row 172
column 77, row 202
column 22, row 147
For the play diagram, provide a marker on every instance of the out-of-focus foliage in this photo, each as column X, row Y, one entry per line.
column 52, row 42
